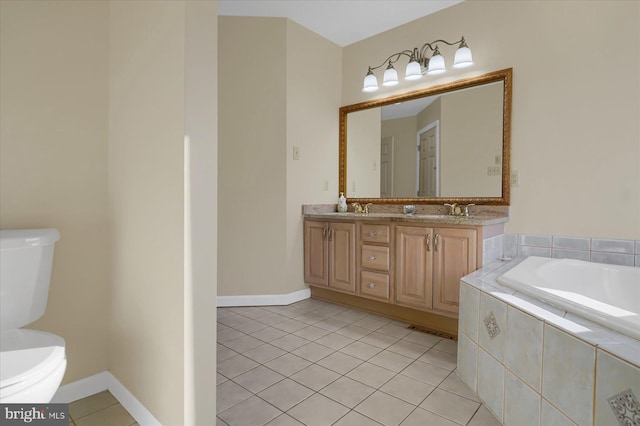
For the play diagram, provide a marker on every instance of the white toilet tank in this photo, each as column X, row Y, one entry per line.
column 26, row 258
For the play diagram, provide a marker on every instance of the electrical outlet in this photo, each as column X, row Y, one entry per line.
column 515, row 179
column 325, row 185
column 493, row 170
column 296, row 152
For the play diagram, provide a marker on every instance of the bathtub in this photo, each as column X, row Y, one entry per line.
column 605, row 294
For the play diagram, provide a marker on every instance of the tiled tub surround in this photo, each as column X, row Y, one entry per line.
column 533, row 364
column 601, row 250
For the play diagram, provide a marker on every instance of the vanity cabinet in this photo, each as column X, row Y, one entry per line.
column 330, row 255
column 414, row 266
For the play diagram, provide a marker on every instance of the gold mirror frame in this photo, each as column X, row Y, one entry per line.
column 504, row 76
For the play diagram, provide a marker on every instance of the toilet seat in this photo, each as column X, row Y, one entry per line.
column 27, row 357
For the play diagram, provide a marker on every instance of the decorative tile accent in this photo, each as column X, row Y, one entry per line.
column 492, row 325
column 626, row 408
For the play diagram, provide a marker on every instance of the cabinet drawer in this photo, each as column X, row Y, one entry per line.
column 374, row 285
column 375, row 233
column 375, row 257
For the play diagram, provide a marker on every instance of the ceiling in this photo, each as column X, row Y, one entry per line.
column 342, row 21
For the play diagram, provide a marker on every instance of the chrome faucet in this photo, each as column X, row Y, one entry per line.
column 466, row 209
column 456, row 210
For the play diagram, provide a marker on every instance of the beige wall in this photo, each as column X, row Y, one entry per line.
column 314, row 65
column 575, row 127
column 290, row 99
column 470, row 139
column 146, row 132
column 252, row 164
column 403, row 131
column 53, row 160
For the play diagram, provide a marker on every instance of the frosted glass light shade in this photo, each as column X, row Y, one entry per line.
column 390, row 77
column 463, row 58
column 436, row 65
column 414, row 72
column 370, row 83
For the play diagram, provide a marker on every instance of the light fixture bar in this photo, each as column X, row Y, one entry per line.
column 419, row 63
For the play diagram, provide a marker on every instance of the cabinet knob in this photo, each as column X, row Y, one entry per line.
column 371, row 285
column 372, row 234
column 372, row 258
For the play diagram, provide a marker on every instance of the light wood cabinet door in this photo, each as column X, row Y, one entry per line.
column 414, row 260
column 316, row 253
column 454, row 256
column 342, row 256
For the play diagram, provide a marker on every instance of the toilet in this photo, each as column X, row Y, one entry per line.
column 32, row 362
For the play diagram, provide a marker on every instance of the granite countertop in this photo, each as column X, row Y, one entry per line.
column 474, row 220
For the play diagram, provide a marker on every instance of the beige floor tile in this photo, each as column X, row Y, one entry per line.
column 450, row 406
column 394, row 330
column 408, row 389
column 440, row 359
column 371, row 323
column 220, row 422
column 371, row 375
column 483, row 417
column 347, row 391
column 426, row 373
column 335, row 341
column 391, row 361
column 243, row 344
column 331, row 324
column 313, row 352
column 285, row 394
column 91, row 404
column 229, row 394
column 223, row 353
column 220, row 379
column 250, row 412
column 235, row 366
column 114, row 415
column 258, row 379
column 353, row 418
column 447, row 345
column 318, row 410
column 350, row 315
column 264, row 353
column 408, row 349
column 385, row 409
column 311, row 332
column 340, row 363
column 315, row 377
column 361, row 350
column 288, row 364
column 290, row 325
column 269, row 334
column 422, row 417
column 353, row 332
column 310, row 318
column 284, row 420
column 289, row 342
column 379, row 340
column 422, row 338
column 273, row 319
column 251, row 327
column 453, row 384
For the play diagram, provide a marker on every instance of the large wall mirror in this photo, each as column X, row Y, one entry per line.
column 448, row 143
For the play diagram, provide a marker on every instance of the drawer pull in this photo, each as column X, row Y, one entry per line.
column 372, row 234
column 372, row 258
column 372, row 285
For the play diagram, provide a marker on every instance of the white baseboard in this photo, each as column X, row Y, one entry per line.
column 264, row 299
column 106, row 381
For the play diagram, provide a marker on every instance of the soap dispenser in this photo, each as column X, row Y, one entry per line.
column 342, row 203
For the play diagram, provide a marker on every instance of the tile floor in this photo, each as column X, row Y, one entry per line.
column 315, row 363
column 101, row 409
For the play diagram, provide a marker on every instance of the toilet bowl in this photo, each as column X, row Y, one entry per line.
column 32, row 362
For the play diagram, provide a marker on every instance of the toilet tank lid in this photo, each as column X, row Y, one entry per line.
column 25, row 238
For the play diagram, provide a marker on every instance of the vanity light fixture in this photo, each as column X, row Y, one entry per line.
column 418, row 64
